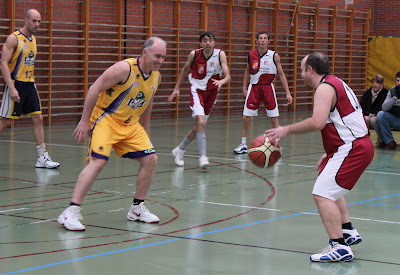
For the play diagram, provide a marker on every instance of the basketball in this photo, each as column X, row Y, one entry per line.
column 262, row 153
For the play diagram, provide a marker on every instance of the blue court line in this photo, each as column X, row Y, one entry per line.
column 384, row 197
column 177, row 239
column 379, row 204
column 158, row 243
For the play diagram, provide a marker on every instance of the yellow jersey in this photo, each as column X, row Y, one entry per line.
column 22, row 61
column 126, row 102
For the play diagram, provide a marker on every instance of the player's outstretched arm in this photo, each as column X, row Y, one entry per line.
column 225, row 70
column 117, row 73
column 184, row 72
column 325, row 99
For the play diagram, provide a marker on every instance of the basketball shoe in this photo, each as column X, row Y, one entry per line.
column 241, row 149
column 178, row 154
column 335, row 252
column 351, row 236
column 141, row 213
column 203, row 162
column 45, row 161
column 70, row 218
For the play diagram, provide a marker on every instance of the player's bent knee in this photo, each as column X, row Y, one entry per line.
column 96, row 163
column 37, row 119
column 150, row 160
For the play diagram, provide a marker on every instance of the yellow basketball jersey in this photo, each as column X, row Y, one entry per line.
column 127, row 102
column 22, row 62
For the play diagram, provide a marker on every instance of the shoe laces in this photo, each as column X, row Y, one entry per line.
column 141, row 208
column 75, row 212
column 325, row 251
column 46, row 156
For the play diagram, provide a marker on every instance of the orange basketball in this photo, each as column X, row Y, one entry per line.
column 262, row 153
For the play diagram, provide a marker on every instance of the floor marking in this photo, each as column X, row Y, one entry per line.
column 312, row 212
column 10, row 210
column 196, row 156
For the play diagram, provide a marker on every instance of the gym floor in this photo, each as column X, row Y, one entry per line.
column 234, row 218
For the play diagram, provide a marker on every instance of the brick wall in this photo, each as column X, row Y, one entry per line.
column 67, row 81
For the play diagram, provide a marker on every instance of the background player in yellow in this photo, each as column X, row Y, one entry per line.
column 20, row 96
column 116, row 114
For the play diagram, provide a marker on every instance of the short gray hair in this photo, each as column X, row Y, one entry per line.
column 150, row 42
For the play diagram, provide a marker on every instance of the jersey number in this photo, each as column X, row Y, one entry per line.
column 28, row 74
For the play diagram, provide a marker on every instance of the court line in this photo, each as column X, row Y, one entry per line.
column 190, row 236
column 187, row 237
column 195, row 156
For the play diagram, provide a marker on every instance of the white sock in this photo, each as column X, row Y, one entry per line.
column 244, row 140
column 41, row 149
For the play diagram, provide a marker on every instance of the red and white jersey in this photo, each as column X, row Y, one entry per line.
column 203, row 70
column 346, row 121
column 262, row 68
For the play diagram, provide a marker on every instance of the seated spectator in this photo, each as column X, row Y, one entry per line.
column 389, row 117
column 371, row 104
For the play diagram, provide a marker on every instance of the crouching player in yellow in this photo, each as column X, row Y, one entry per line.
column 116, row 114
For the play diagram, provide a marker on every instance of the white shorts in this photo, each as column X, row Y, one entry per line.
column 343, row 168
column 258, row 93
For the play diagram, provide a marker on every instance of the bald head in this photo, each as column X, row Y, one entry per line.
column 31, row 13
column 32, row 22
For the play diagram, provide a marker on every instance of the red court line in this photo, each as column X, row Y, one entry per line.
column 168, row 234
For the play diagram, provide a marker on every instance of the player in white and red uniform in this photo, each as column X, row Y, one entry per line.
column 205, row 67
column 262, row 66
column 348, row 152
column 203, row 92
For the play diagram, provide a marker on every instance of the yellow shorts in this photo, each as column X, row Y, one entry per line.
column 128, row 141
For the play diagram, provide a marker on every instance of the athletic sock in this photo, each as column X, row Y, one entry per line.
column 41, row 149
column 185, row 142
column 340, row 241
column 137, row 201
column 201, row 143
column 347, row 226
column 72, row 203
column 244, row 140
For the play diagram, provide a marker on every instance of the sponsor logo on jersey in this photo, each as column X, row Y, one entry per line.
column 265, row 62
column 109, row 91
column 201, row 68
column 30, row 60
column 212, row 64
column 137, row 84
column 255, row 65
column 26, row 46
column 138, row 101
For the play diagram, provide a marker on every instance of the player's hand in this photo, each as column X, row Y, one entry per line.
column 321, row 160
column 14, row 95
column 174, row 93
column 245, row 91
column 217, row 83
column 276, row 134
column 82, row 131
column 289, row 98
